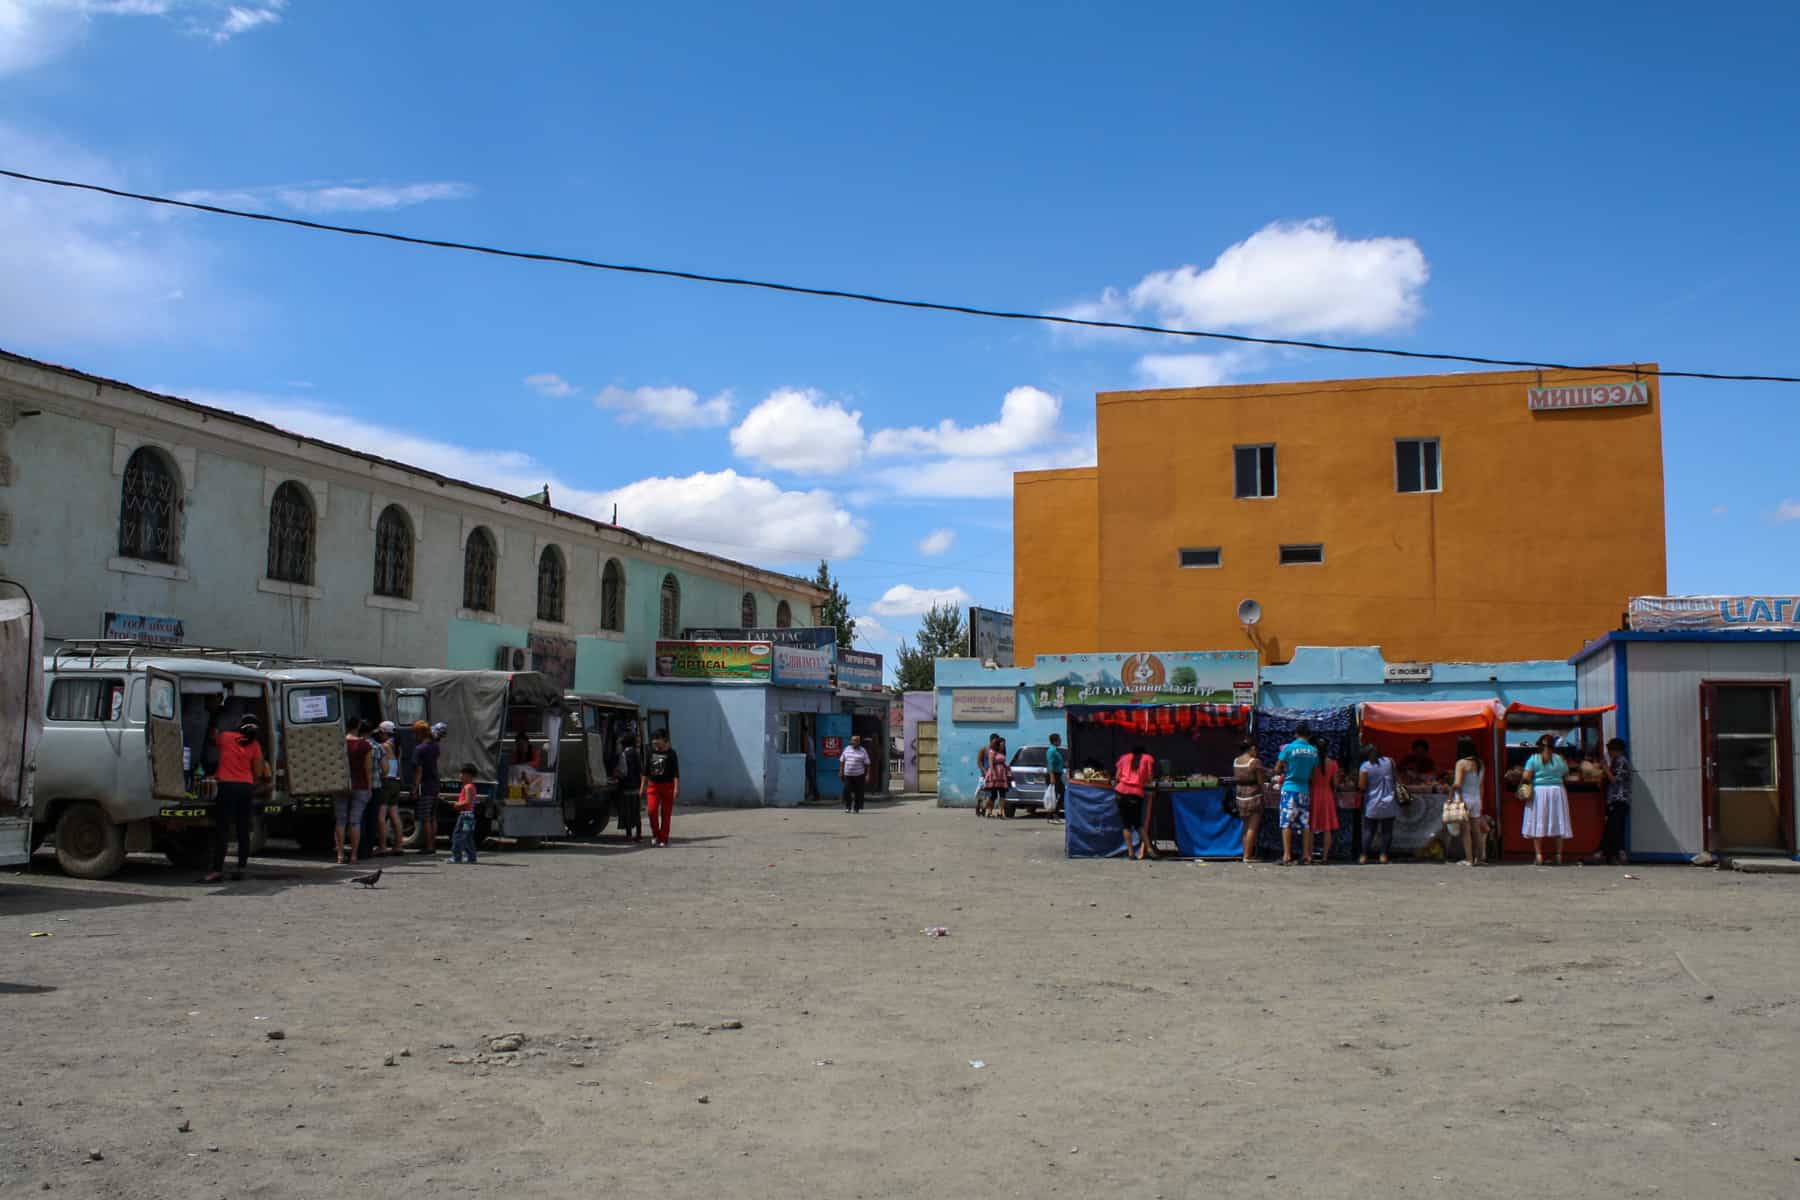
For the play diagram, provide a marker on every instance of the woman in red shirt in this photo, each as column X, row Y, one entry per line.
column 242, row 768
column 1130, row 781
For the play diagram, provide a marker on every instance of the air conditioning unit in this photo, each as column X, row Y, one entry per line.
column 509, row 658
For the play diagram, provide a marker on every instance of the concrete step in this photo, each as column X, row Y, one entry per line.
column 1769, row 865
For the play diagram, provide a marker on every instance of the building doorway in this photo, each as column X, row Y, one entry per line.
column 1746, row 777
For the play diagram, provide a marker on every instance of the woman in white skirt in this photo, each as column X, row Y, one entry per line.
column 1547, row 812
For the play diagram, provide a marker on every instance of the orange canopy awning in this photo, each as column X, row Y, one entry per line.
column 1432, row 716
column 1532, row 710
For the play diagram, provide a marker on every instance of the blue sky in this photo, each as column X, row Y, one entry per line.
column 1584, row 183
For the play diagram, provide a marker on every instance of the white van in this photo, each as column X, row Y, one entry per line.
column 125, row 730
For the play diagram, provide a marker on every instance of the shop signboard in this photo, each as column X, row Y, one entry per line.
column 991, row 636
column 1593, row 395
column 1674, row 614
column 975, row 705
column 157, row 631
column 818, row 637
column 729, row 662
column 1176, row 677
column 801, row 666
column 1412, row 672
column 859, row 671
column 553, row 658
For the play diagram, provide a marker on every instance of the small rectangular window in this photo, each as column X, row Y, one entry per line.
column 312, row 706
column 1416, row 465
column 1302, row 554
column 1255, row 472
column 86, row 700
column 1200, row 556
column 162, row 699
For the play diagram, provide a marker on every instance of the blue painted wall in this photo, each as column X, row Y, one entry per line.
column 1328, row 676
column 728, row 736
column 958, row 781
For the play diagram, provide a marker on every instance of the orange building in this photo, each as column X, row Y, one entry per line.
column 1475, row 517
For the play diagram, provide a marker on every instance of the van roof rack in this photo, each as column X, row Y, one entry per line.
column 131, row 649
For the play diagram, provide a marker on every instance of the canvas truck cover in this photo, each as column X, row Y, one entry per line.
column 21, row 699
column 473, row 704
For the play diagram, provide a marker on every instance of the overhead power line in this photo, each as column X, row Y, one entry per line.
column 796, row 289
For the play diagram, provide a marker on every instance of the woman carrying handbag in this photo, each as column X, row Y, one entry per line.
column 1546, row 815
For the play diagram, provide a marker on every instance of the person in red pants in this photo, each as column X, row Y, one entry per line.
column 662, row 786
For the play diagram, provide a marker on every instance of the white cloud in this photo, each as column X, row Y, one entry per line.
column 82, row 269
column 243, row 18
column 979, row 479
column 719, row 512
column 549, row 383
column 801, row 431
column 1719, row 510
column 33, row 32
column 321, row 198
column 1287, row 278
column 671, row 408
column 1028, row 418
column 937, row 542
column 1787, row 510
column 905, row 600
column 1191, row 370
column 869, row 629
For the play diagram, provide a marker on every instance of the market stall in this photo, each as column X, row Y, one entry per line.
column 1193, row 745
column 1581, row 741
column 1421, row 737
column 1275, row 728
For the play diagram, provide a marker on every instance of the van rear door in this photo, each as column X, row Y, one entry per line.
column 168, row 773
column 312, row 739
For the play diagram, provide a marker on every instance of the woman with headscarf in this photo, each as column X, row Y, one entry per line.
column 242, row 768
column 1546, row 815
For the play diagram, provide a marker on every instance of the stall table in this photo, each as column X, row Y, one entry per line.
column 1202, row 822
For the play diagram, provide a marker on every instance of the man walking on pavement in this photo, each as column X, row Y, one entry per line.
column 854, row 765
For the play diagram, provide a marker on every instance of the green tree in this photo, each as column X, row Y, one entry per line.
column 834, row 610
column 1184, row 677
column 943, row 633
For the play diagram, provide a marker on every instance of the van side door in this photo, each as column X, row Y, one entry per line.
column 162, row 725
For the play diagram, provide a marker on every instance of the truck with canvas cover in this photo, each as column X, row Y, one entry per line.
column 485, row 711
column 598, row 726
column 123, row 765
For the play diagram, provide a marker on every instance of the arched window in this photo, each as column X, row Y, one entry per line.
column 394, row 554
column 480, row 561
column 670, row 623
column 551, row 578
column 747, row 611
column 784, row 616
column 612, row 596
column 149, row 499
column 292, row 528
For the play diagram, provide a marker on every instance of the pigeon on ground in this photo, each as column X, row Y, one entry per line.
column 369, row 880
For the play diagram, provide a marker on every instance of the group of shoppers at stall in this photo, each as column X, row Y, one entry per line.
column 1306, row 778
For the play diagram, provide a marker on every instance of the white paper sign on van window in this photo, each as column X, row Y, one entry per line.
column 312, row 706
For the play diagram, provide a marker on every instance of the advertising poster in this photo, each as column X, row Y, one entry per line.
column 991, row 636
column 1673, row 614
column 158, row 631
column 1185, row 677
column 859, row 671
column 553, row 658
column 999, row 705
column 802, row 666
column 817, row 637
column 731, row 662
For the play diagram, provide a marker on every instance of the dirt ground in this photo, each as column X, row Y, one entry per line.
column 1165, row 1029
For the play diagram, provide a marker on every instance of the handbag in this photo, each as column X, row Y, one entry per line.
column 1455, row 812
column 1525, row 792
column 1402, row 795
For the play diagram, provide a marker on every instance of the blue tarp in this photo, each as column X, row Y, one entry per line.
column 1203, row 826
column 1091, row 827
column 1275, row 728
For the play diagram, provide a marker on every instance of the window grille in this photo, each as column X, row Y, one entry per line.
column 551, row 577
column 670, row 624
column 148, row 501
column 480, row 561
column 394, row 554
column 612, row 596
column 292, row 529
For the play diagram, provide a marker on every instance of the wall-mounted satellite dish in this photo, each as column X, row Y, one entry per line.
column 1249, row 612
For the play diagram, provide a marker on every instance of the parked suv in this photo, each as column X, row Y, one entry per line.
column 125, row 729
column 1030, row 782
